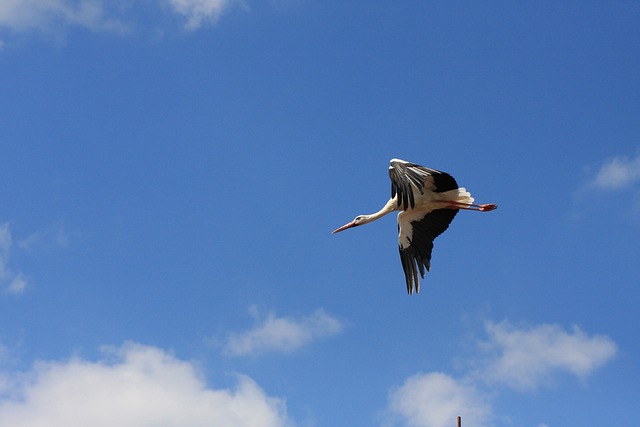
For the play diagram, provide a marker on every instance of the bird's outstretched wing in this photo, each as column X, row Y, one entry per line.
column 406, row 176
column 416, row 232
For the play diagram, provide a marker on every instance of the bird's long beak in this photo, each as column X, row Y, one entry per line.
column 344, row 227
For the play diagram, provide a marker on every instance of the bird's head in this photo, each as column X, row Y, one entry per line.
column 359, row 220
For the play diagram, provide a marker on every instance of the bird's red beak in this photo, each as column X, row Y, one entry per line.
column 344, row 227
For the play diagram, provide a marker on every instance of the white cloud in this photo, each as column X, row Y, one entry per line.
column 199, row 12
column 132, row 386
column 281, row 334
column 18, row 285
column 619, row 179
column 525, row 358
column 522, row 359
column 54, row 237
column 436, row 400
column 13, row 283
column 53, row 15
column 5, row 246
column 618, row 173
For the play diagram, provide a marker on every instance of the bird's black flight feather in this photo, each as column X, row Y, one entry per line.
column 417, row 256
column 403, row 175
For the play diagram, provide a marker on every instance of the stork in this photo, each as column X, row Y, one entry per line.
column 428, row 200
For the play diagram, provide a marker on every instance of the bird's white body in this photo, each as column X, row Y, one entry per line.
column 425, row 203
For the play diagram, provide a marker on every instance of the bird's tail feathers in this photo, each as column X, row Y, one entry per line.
column 460, row 195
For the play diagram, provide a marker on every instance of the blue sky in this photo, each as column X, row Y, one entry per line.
column 171, row 172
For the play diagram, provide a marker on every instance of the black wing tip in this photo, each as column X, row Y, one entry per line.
column 413, row 267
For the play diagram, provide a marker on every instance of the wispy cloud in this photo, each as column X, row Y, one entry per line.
column 199, row 12
column 526, row 358
column 521, row 358
column 614, row 183
column 17, row 285
column 54, row 237
column 281, row 334
column 56, row 17
column 618, row 172
column 5, row 247
column 10, row 282
column 53, row 15
column 132, row 386
column 436, row 400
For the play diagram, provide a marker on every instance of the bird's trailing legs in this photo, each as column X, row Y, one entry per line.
column 473, row 207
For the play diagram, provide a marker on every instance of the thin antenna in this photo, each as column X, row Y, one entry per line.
column 459, row 421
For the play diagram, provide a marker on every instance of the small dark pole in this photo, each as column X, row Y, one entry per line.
column 459, row 422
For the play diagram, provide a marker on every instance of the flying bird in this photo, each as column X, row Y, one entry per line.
column 428, row 200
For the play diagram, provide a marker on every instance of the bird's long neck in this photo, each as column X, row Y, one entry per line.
column 391, row 206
